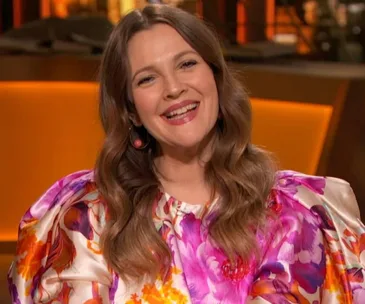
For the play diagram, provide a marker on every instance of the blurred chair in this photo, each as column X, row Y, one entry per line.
column 295, row 132
column 47, row 130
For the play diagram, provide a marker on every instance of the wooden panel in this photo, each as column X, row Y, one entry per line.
column 272, row 83
column 345, row 155
column 48, row 68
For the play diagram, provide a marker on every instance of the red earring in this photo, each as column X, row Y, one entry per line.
column 135, row 138
column 137, row 143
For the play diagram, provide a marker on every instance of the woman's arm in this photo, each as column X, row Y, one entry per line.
column 58, row 256
column 316, row 253
column 293, row 268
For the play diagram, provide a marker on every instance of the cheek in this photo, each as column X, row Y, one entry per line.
column 144, row 105
column 208, row 86
column 211, row 92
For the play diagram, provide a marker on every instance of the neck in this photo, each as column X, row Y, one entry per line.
column 184, row 171
column 181, row 170
column 185, row 166
column 184, row 180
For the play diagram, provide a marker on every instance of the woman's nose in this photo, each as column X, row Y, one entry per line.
column 174, row 87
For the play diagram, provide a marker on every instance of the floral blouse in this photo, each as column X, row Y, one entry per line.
column 314, row 251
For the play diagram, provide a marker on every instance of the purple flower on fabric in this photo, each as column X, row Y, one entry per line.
column 356, row 275
column 307, row 236
column 310, row 276
column 77, row 219
column 113, row 288
column 325, row 221
column 274, row 267
column 36, row 281
column 13, row 291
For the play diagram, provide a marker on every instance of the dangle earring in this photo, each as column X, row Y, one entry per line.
column 139, row 139
column 137, row 143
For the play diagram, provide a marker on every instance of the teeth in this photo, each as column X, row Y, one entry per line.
column 182, row 110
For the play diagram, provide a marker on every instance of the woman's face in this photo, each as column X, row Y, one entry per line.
column 173, row 88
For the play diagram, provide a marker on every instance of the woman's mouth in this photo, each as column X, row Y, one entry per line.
column 176, row 114
column 182, row 115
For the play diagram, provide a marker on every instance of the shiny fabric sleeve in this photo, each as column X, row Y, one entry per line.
column 292, row 269
column 321, row 256
column 344, row 235
column 58, row 259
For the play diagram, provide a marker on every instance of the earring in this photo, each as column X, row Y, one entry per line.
column 137, row 143
column 135, row 137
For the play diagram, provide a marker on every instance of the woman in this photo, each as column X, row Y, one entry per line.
column 182, row 208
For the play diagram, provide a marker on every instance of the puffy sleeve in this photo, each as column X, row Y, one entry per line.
column 315, row 252
column 58, row 259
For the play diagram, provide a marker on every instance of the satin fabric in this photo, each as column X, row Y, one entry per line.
column 313, row 250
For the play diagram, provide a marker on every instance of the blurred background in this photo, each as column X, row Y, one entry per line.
column 330, row 30
column 303, row 62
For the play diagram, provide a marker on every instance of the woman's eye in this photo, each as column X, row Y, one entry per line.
column 145, row 80
column 188, row 64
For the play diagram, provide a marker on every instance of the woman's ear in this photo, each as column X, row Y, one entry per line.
column 133, row 115
column 135, row 120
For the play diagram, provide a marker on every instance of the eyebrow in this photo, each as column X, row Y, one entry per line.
column 176, row 57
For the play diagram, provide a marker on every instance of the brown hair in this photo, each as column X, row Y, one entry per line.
column 239, row 171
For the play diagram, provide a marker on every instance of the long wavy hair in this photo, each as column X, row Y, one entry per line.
column 240, row 172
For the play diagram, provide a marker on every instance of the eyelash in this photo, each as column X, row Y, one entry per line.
column 185, row 65
column 144, row 80
column 188, row 64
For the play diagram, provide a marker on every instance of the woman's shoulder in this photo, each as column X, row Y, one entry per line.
column 310, row 190
column 73, row 203
column 59, row 236
column 328, row 199
column 63, row 194
column 311, row 182
column 316, row 231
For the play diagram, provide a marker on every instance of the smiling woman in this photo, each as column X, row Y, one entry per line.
column 182, row 207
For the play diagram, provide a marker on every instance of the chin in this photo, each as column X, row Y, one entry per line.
column 189, row 143
column 188, row 140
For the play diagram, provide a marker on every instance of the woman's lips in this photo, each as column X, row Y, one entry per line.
column 179, row 105
column 181, row 115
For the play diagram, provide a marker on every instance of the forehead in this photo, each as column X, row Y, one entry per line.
column 160, row 42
